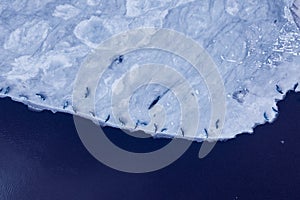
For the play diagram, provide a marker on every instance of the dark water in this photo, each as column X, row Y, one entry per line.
column 41, row 157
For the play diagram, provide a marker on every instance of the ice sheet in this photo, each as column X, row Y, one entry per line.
column 254, row 44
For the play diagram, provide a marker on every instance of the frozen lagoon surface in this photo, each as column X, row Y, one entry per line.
column 254, row 44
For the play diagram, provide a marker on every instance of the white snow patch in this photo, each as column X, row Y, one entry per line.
column 65, row 11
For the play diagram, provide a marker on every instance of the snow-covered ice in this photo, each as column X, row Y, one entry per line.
column 254, row 44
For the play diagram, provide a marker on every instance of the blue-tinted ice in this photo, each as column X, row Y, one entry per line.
column 255, row 45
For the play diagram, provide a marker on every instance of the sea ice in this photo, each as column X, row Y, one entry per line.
column 254, row 44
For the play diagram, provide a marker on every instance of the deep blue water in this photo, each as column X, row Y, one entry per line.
column 42, row 157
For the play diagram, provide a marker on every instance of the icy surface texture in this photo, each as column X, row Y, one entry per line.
column 255, row 45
